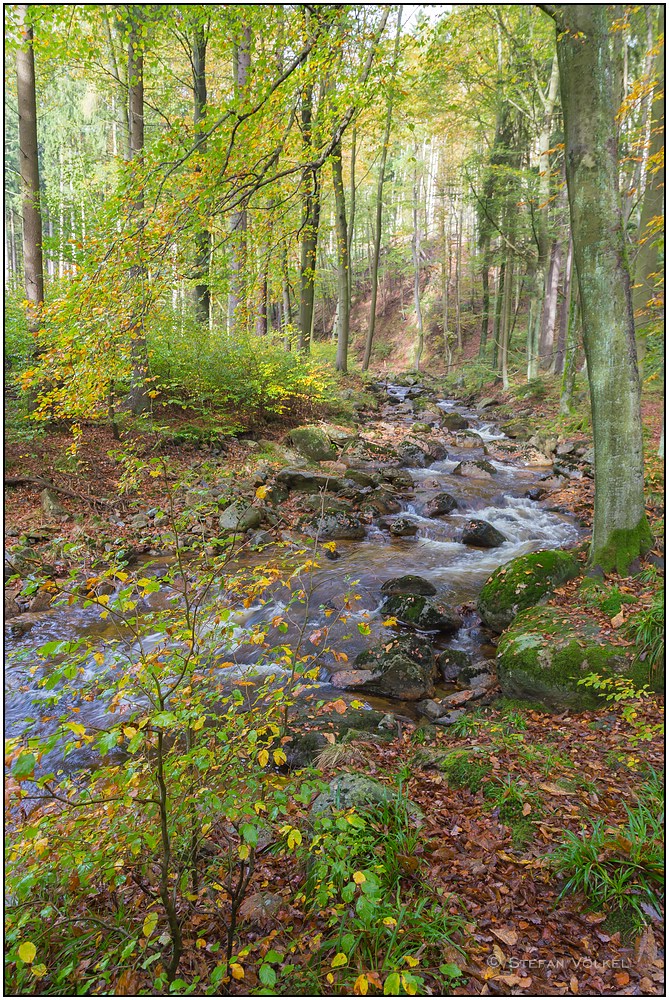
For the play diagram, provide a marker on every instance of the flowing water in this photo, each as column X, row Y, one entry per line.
column 457, row 571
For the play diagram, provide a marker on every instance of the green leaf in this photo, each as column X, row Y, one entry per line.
column 163, row 720
column 391, row 987
column 450, row 970
column 24, row 766
column 249, row 834
column 267, row 975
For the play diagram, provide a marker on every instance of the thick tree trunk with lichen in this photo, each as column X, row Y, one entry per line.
column 620, row 529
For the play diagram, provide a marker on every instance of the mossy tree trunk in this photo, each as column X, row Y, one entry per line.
column 620, row 529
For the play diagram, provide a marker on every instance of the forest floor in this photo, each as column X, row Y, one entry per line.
column 485, row 854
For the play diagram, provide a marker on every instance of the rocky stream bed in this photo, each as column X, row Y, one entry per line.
column 411, row 515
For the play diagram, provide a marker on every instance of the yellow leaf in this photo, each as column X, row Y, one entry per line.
column 339, row 959
column 294, row 839
column 76, row 728
column 200, row 943
column 27, row 952
column 261, row 492
column 279, row 757
column 243, row 851
column 198, row 724
column 359, row 878
column 390, row 922
column 361, row 986
column 237, row 970
column 263, row 758
column 409, row 986
column 39, row 970
column 99, row 658
column 411, row 961
column 149, row 924
column 206, row 827
column 330, row 978
column 129, row 731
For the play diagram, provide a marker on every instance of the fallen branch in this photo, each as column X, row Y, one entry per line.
column 46, row 484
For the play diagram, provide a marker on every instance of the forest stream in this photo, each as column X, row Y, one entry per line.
column 434, row 552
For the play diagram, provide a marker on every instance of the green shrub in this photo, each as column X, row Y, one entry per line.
column 646, row 630
column 251, row 374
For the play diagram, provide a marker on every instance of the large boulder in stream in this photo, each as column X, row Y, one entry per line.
column 403, row 527
column 403, row 668
column 422, row 613
column 442, row 503
column 409, row 584
column 455, row 421
column 334, row 526
column 483, row 534
column 475, row 469
column 545, row 654
column 522, row 583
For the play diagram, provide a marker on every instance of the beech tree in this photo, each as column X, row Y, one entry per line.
column 29, row 166
column 620, row 529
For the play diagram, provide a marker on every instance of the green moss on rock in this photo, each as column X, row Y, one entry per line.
column 522, row 583
column 545, row 653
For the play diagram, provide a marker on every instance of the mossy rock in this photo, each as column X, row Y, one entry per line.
column 313, row 442
column 421, row 612
column 522, row 583
column 404, row 668
column 455, row 422
column 546, row 652
column 350, row 790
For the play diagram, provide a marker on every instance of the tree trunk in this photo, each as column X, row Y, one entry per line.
column 33, row 266
column 311, row 202
column 379, row 200
column 549, row 310
column 342, row 261
column 138, row 398
column 620, row 529
column 499, row 296
column 351, row 219
column 239, row 219
column 571, row 360
column 201, row 293
column 286, row 311
column 416, row 272
column 505, row 333
column 648, row 265
column 558, row 364
column 458, row 266
column 485, row 301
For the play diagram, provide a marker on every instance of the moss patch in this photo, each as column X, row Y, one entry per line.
column 522, row 583
column 545, row 654
column 622, row 548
